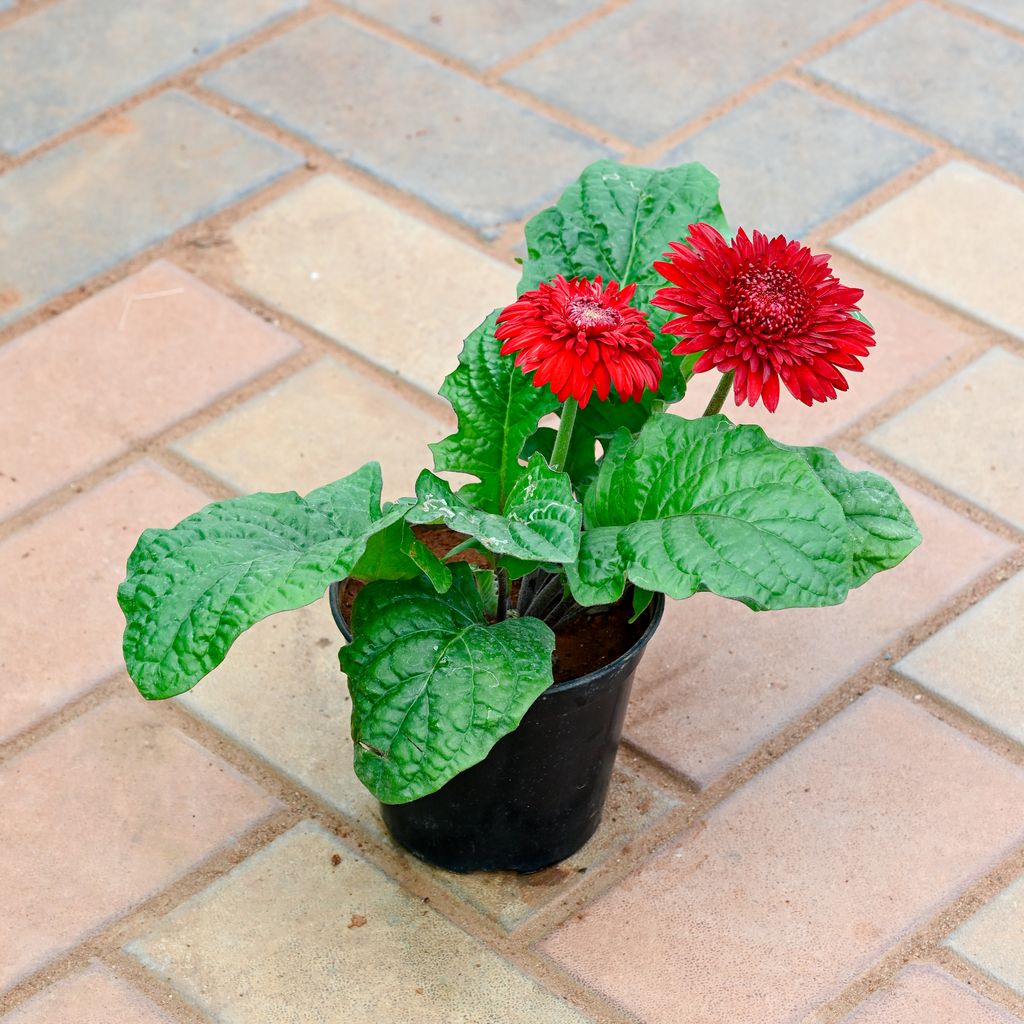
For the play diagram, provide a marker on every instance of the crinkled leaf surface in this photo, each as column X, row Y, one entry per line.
column 191, row 590
column 704, row 505
column 497, row 409
column 433, row 685
column 881, row 529
column 541, row 521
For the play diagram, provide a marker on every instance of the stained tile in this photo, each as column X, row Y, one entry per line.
column 481, row 33
column 718, row 679
column 300, row 723
column 815, row 158
column 923, row 994
column 59, row 577
column 800, row 880
column 70, row 60
column 941, row 73
column 909, row 344
column 336, row 258
column 977, row 661
column 93, row 997
column 953, row 235
column 101, row 197
column 968, row 435
column 465, row 149
column 117, row 369
column 311, row 915
column 102, row 813
column 649, row 67
column 993, row 939
column 322, row 423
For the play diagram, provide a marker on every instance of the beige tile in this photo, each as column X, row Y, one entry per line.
column 923, row 994
column 800, row 880
column 718, row 679
column 954, row 235
column 977, row 661
column 106, row 811
column 290, row 933
column 909, row 344
column 968, row 435
column 319, row 425
column 93, row 997
column 61, row 631
column 282, row 695
column 370, row 277
column 121, row 366
column 994, row 939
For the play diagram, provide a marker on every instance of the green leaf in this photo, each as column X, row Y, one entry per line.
column 191, row 590
column 881, row 529
column 497, row 409
column 433, row 686
column 398, row 554
column 541, row 521
column 704, row 505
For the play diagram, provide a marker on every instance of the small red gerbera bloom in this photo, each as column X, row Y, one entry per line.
column 766, row 308
column 581, row 338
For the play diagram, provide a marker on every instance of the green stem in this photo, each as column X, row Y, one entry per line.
column 561, row 450
column 718, row 398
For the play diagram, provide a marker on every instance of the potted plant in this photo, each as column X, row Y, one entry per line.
column 494, row 629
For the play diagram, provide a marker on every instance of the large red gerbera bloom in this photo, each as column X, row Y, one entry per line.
column 767, row 309
column 581, row 338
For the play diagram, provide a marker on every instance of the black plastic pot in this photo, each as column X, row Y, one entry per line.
column 538, row 795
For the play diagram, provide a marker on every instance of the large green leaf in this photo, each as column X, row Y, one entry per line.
column 881, row 529
column 541, row 521
column 704, row 505
column 433, row 686
column 191, row 590
column 497, row 409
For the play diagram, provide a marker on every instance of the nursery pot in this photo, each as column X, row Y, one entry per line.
column 538, row 795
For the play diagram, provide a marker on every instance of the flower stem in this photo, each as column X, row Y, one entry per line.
column 502, row 614
column 718, row 398
column 561, row 450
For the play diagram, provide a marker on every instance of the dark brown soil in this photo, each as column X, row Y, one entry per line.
column 591, row 641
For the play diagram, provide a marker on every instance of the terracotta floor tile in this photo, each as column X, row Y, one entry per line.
column 994, row 939
column 60, row 634
column 952, row 234
column 977, row 661
column 924, row 994
column 306, row 924
column 97, row 816
column 805, row 876
column 119, row 368
column 93, row 997
column 335, row 257
column 281, row 694
column 909, row 344
column 719, row 679
column 318, row 425
column 968, row 435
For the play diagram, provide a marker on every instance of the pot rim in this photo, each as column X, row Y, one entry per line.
column 657, row 609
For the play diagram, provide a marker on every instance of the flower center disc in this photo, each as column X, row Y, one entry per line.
column 587, row 313
column 768, row 301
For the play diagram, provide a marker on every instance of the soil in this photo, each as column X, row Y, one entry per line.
column 584, row 645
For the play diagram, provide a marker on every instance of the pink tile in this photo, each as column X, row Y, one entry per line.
column 803, row 878
column 924, row 994
column 60, row 633
column 104, row 812
column 719, row 679
column 909, row 344
column 120, row 367
column 93, row 997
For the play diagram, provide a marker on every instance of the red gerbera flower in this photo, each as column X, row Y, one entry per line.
column 766, row 309
column 581, row 338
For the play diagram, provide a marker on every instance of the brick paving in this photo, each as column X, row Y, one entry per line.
column 240, row 244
